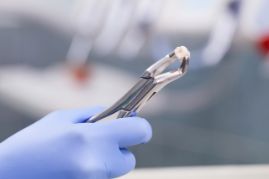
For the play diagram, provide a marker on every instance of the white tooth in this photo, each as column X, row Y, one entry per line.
column 182, row 52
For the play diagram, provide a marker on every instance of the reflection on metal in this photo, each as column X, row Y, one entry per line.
column 152, row 81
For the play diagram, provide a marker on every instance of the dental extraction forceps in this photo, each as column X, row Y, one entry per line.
column 152, row 81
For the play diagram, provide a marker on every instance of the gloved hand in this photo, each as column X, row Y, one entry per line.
column 62, row 146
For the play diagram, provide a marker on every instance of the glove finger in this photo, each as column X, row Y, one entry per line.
column 123, row 163
column 75, row 115
column 128, row 131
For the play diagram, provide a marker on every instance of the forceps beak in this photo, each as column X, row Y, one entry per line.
column 155, row 71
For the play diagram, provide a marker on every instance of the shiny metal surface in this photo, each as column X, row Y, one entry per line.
column 152, row 81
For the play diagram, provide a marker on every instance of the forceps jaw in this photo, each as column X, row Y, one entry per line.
column 180, row 53
column 162, row 79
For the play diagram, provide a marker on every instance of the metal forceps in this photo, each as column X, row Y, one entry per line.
column 152, row 81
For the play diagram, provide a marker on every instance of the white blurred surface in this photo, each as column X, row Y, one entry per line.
column 211, row 172
column 177, row 15
column 39, row 92
column 54, row 88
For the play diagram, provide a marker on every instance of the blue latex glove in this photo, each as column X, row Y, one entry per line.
column 62, row 146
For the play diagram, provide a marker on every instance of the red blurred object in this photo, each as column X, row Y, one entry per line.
column 81, row 74
column 263, row 44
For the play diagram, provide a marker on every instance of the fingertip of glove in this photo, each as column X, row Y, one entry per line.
column 130, row 158
column 145, row 128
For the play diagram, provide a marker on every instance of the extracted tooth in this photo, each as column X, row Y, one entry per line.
column 182, row 52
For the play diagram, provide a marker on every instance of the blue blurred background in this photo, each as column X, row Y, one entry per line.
column 71, row 53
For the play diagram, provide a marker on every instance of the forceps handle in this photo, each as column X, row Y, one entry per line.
column 130, row 102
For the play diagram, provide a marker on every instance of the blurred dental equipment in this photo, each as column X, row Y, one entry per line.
column 118, row 20
column 141, row 29
column 262, row 36
column 220, row 38
column 82, row 42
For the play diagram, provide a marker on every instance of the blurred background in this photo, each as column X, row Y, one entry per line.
column 58, row 54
